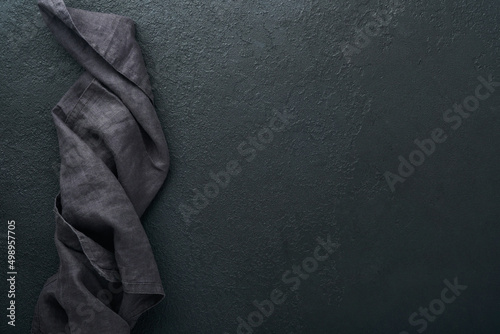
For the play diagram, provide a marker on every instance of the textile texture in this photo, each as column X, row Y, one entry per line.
column 114, row 159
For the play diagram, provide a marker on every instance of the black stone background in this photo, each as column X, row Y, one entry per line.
column 220, row 70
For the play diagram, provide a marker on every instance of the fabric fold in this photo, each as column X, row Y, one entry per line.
column 114, row 159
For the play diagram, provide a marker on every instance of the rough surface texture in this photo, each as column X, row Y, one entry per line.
column 220, row 71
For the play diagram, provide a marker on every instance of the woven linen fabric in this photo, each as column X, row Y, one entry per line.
column 114, row 158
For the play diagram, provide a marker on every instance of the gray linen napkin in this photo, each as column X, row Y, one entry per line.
column 114, row 159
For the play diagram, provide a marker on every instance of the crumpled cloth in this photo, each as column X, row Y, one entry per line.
column 114, row 158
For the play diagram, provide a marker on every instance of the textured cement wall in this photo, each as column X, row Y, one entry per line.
column 356, row 101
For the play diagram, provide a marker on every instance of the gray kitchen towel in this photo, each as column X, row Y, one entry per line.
column 114, row 158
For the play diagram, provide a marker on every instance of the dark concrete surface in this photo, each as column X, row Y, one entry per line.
column 221, row 70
